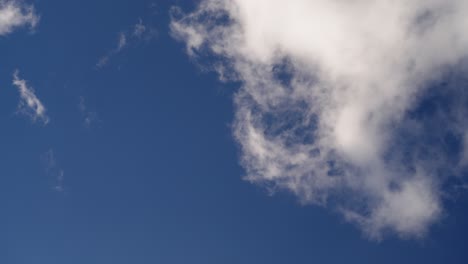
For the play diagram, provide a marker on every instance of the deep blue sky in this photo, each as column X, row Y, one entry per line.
column 155, row 177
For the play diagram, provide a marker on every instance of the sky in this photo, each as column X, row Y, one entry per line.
column 233, row 131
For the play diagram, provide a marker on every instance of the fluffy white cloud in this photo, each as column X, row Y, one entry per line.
column 329, row 107
column 29, row 104
column 15, row 14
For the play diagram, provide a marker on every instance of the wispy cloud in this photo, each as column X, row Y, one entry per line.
column 15, row 14
column 139, row 29
column 89, row 117
column 29, row 104
column 122, row 42
column 136, row 33
column 53, row 171
column 329, row 107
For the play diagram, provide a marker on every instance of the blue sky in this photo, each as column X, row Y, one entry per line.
column 155, row 145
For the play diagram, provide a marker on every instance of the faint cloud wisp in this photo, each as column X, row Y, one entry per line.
column 136, row 33
column 89, row 117
column 53, row 171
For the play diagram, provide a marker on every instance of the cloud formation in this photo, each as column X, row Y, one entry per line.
column 15, row 14
column 29, row 104
column 136, row 33
column 354, row 105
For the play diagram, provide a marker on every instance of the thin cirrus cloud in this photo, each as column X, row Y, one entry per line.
column 333, row 101
column 89, row 117
column 53, row 170
column 29, row 104
column 136, row 33
column 15, row 14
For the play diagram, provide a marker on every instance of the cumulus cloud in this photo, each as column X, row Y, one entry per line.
column 355, row 105
column 15, row 14
column 29, row 104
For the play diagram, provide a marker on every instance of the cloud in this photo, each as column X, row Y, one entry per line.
column 53, row 171
column 139, row 29
column 346, row 104
column 121, row 44
column 15, row 14
column 29, row 104
column 89, row 117
column 135, row 34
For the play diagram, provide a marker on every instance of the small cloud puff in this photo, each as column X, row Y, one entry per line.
column 14, row 14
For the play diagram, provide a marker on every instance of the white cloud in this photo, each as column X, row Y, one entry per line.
column 15, row 14
column 329, row 94
column 29, row 104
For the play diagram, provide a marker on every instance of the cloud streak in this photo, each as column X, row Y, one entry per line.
column 53, row 171
column 335, row 102
column 29, row 104
column 89, row 117
column 136, row 33
column 15, row 14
